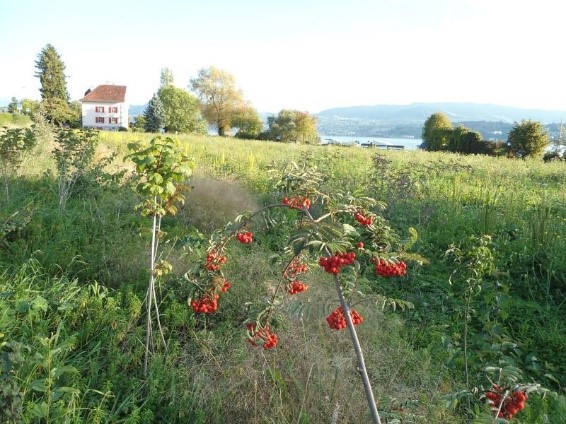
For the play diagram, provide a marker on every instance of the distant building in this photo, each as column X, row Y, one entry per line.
column 105, row 108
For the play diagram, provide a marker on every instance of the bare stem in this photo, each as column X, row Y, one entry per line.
column 355, row 342
column 359, row 354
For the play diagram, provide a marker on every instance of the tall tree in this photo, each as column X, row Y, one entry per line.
column 54, row 95
column 529, row 138
column 437, row 131
column 219, row 97
column 154, row 115
column 13, row 106
column 182, row 112
column 167, row 77
column 51, row 73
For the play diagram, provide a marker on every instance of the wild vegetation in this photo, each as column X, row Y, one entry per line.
column 478, row 318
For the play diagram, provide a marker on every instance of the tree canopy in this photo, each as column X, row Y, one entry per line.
column 292, row 126
column 167, row 77
column 463, row 139
column 436, row 132
column 248, row 123
column 54, row 95
column 182, row 112
column 528, row 138
column 154, row 115
column 219, row 97
column 51, row 74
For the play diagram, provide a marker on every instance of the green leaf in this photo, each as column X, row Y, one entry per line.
column 350, row 231
column 38, row 385
column 40, row 303
column 22, row 306
column 40, row 410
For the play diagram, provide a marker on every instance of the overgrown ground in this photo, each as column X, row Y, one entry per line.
column 72, row 285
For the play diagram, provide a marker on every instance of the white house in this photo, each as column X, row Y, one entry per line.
column 105, row 108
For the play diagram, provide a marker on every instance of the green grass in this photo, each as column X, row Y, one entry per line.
column 89, row 266
column 12, row 120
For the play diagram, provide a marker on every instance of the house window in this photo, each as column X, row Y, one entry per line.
column 113, row 120
column 99, row 120
column 113, row 109
column 99, row 109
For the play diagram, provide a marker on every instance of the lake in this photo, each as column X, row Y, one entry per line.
column 409, row 143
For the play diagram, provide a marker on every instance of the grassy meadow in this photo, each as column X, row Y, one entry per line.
column 73, row 281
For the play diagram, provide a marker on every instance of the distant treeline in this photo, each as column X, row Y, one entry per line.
column 489, row 130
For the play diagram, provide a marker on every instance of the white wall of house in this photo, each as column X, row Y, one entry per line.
column 113, row 115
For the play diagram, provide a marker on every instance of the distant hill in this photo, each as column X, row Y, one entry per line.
column 457, row 112
column 135, row 110
column 406, row 121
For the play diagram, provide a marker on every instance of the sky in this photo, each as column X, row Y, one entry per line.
column 307, row 55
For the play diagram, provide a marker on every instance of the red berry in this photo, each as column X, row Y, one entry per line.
column 244, row 237
column 296, row 287
column 336, row 320
column 261, row 337
column 389, row 269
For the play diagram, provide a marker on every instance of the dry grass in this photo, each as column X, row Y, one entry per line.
column 211, row 203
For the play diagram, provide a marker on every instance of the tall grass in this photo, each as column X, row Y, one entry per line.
column 209, row 374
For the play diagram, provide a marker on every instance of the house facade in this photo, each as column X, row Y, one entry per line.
column 105, row 108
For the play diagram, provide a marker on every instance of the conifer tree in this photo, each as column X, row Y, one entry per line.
column 54, row 95
column 51, row 74
column 154, row 115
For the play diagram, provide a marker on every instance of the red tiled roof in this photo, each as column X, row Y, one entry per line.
column 106, row 94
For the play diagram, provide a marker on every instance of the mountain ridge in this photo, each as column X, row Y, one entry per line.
column 456, row 111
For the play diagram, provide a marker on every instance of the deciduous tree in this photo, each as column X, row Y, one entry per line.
column 182, row 112
column 292, row 126
column 462, row 140
column 219, row 97
column 436, row 133
column 529, row 138
column 248, row 123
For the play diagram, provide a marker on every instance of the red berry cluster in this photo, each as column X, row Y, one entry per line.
column 295, row 267
column 213, row 260
column 363, row 219
column 245, row 237
column 512, row 404
column 207, row 304
column 389, row 269
column 337, row 320
column 261, row 337
column 225, row 287
column 296, row 287
column 298, row 202
column 332, row 264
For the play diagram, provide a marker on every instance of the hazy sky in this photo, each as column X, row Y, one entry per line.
column 298, row 54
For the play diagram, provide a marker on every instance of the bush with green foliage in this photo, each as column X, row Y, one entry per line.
column 528, row 139
column 292, row 126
